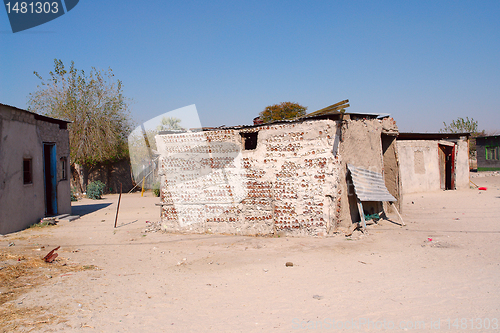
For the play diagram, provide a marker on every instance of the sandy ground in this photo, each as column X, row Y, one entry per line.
column 440, row 272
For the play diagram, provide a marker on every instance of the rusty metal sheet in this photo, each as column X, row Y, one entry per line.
column 369, row 185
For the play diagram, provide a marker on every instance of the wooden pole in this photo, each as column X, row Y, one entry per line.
column 118, row 207
column 394, row 206
column 142, row 190
column 362, row 215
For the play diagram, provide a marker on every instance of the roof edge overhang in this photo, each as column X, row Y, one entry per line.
column 63, row 124
column 432, row 136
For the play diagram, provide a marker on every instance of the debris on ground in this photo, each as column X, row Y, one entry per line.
column 19, row 275
column 152, row 226
column 49, row 220
column 51, row 255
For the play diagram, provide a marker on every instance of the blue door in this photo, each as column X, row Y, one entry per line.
column 50, row 178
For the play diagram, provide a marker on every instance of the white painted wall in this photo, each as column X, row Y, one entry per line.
column 417, row 177
column 462, row 165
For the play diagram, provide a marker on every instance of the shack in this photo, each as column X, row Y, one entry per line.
column 34, row 168
column 433, row 161
column 288, row 177
column 488, row 151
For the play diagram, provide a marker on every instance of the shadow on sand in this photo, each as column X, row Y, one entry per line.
column 122, row 225
column 87, row 209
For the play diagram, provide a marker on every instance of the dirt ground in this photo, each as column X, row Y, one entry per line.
column 440, row 272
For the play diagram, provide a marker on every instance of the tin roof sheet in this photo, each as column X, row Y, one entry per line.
column 369, row 185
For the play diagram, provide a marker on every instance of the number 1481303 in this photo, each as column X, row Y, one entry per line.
column 32, row 8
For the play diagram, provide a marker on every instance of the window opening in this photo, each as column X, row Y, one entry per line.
column 64, row 168
column 492, row 153
column 249, row 140
column 27, row 171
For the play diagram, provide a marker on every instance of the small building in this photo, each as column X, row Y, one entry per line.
column 488, row 153
column 433, row 161
column 34, row 168
column 289, row 177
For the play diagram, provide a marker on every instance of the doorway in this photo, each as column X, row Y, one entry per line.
column 50, row 178
column 447, row 166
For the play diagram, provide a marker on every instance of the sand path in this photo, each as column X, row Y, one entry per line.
column 444, row 265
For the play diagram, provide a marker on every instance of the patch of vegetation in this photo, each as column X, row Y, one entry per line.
column 19, row 275
column 73, row 194
column 95, row 190
column 156, row 189
column 42, row 223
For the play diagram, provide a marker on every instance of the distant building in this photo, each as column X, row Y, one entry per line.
column 488, row 151
column 34, row 168
column 433, row 161
column 257, row 121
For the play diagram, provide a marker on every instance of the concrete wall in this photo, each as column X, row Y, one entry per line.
column 51, row 133
column 287, row 184
column 22, row 136
column 111, row 174
column 462, row 166
column 419, row 165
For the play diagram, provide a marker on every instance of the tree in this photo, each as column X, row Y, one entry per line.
column 461, row 125
column 96, row 107
column 169, row 124
column 282, row 111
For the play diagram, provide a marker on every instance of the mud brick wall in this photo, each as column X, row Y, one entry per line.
column 287, row 183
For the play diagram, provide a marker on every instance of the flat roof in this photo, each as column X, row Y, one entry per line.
column 430, row 136
column 489, row 137
column 62, row 123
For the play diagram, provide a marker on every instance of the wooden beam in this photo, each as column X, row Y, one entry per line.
column 331, row 108
column 394, row 206
column 362, row 214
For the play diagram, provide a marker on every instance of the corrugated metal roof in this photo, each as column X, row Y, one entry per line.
column 369, row 185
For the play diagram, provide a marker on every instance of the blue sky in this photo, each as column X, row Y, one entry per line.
column 424, row 62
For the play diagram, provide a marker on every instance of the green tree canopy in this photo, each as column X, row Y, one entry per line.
column 461, row 125
column 96, row 107
column 282, row 111
column 169, row 124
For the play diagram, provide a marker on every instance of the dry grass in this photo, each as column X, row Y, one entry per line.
column 15, row 318
column 30, row 233
column 18, row 275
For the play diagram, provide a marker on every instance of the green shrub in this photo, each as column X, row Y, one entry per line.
column 40, row 224
column 156, row 189
column 73, row 196
column 95, row 190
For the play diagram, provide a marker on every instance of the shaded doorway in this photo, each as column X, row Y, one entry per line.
column 447, row 166
column 50, row 178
